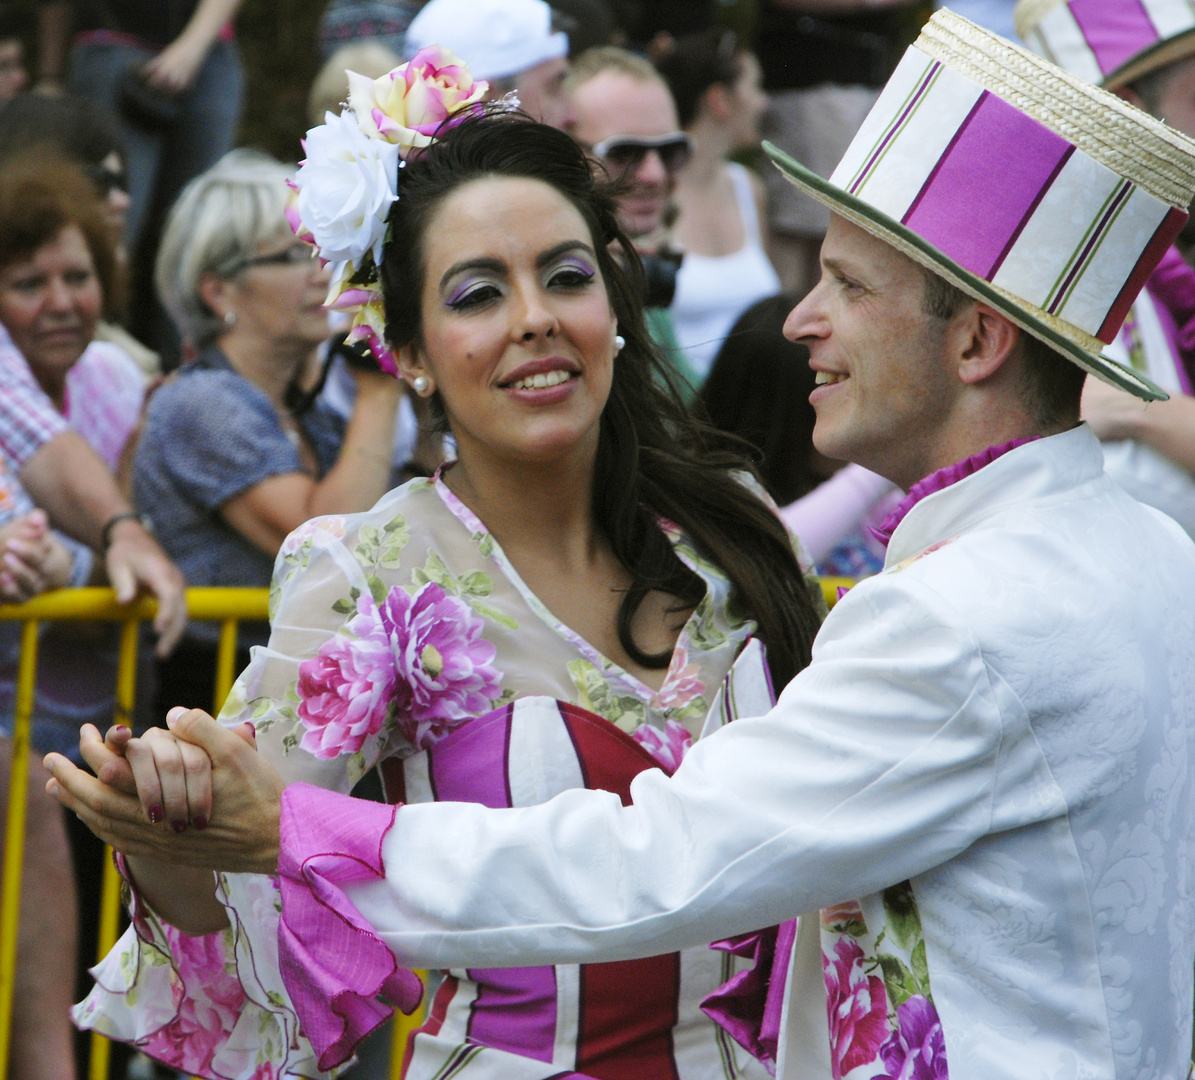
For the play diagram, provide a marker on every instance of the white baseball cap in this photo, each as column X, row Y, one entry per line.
column 496, row 38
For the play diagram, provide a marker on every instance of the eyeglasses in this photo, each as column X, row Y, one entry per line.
column 625, row 153
column 295, row 255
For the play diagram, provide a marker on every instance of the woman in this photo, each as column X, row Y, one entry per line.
column 230, row 460
column 719, row 99
column 587, row 545
column 57, row 275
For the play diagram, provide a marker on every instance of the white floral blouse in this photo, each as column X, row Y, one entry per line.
column 390, row 629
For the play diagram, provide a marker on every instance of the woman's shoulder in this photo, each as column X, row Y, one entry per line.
column 219, row 395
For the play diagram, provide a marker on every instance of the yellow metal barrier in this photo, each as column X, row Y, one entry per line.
column 226, row 606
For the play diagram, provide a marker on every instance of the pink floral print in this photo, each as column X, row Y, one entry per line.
column 857, row 1006
column 682, row 683
column 668, row 747
column 210, row 1005
column 421, row 658
column 916, row 1050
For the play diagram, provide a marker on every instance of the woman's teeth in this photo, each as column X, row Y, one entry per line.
column 823, row 377
column 538, row 382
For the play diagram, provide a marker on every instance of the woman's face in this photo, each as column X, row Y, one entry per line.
column 518, row 331
column 278, row 295
column 749, row 100
column 50, row 303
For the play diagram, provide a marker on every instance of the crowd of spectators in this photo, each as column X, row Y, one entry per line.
column 174, row 399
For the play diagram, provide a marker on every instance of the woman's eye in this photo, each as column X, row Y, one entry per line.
column 26, row 285
column 77, row 278
column 570, row 277
column 474, row 297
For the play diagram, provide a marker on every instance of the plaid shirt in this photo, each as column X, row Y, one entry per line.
column 28, row 419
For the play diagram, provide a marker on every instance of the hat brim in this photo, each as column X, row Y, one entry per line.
column 1024, row 315
column 1149, row 60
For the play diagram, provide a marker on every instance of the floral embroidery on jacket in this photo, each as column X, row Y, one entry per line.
column 882, row 1019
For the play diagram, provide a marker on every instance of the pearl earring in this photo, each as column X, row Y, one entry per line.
column 619, row 343
column 420, row 383
column 230, row 319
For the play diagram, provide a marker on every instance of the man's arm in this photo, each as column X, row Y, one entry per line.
column 820, row 800
column 71, row 482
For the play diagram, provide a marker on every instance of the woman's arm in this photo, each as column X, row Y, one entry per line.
column 834, row 508
column 1165, row 426
column 174, row 69
column 270, row 510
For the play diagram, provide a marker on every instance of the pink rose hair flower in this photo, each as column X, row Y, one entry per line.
column 857, row 1008
column 420, row 658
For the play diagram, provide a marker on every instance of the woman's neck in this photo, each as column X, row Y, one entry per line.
column 711, row 147
column 540, row 510
column 267, row 365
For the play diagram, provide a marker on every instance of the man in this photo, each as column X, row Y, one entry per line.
column 1146, row 55
column 626, row 119
column 509, row 43
column 992, row 747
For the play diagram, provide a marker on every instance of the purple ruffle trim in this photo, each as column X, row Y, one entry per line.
column 333, row 964
column 750, row 1006
column 936, row 481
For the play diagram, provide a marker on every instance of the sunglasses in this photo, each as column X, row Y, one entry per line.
column 625, row 153
column 107, row 180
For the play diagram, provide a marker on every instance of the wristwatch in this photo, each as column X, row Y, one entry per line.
column 116, row 519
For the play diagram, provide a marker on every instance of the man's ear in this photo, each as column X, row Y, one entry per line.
column 1130, row 95
column 987, row 339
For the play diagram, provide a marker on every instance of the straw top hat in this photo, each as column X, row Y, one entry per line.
column 1108, row 42
column 1039, row 194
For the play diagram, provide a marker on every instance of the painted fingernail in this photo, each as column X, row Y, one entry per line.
column 179, row 826
column 155, row 814
column 199, row 821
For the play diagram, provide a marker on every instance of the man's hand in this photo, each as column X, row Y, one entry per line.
column 135, row 562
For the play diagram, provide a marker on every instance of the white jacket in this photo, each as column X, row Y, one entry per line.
column 1003, row 718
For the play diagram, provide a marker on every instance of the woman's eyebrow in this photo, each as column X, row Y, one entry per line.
column 561, row 249
column 496, row 265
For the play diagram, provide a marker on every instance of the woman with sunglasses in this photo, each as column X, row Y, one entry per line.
column 233, row 457
column 582, row 594
column 719, row 95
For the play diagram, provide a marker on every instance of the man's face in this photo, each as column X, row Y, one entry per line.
column 13, row 75
column 886, row 390
column 1176, row 106
column 612, row 103
column 541, row 93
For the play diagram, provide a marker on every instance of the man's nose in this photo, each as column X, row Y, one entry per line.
column 651, row 169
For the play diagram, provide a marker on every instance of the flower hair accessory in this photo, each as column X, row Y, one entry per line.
column 349, row 179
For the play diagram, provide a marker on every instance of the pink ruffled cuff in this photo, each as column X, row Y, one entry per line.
column 333, row 964
column 750, row 1006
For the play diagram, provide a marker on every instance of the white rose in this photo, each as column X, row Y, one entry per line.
column 346, row 186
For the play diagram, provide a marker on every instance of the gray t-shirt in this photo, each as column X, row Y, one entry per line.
column 209, row 436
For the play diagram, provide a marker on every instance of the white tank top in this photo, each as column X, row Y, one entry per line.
column 712, row 291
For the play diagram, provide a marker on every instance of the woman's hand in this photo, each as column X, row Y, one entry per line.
column 174, row 69
column 197, row 772
column 1111, row 413
column 31, row 559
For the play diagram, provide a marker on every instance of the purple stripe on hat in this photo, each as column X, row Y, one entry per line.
column 969, row 209
column 897, row 124
column 1114, row 32
column 515, row 1010
column 1094, row 240
column 471, row 765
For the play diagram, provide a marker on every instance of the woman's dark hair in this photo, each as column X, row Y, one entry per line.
column 695, row 63
column 758, row 389
column 68, row 126
column 40, row 195
column 654, row 460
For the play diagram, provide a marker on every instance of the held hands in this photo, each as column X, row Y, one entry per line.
column 197, row 795
column 31, row 560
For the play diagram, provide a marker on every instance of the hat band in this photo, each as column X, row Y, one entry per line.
column 1006, row 198
column 1095, row 38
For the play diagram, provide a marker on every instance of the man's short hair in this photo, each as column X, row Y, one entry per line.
column 593, row 62
column 1052, row 385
